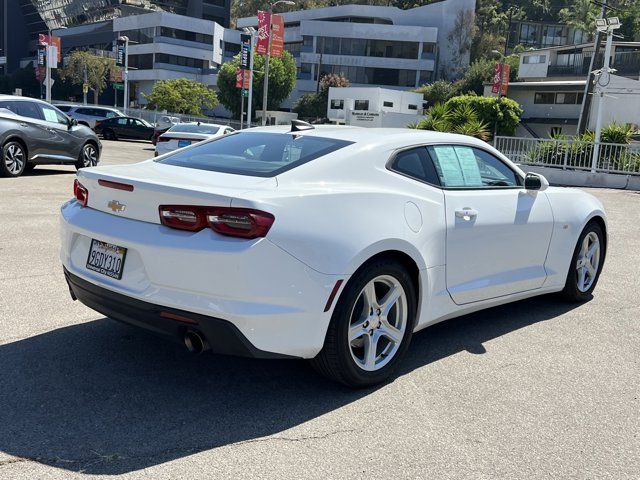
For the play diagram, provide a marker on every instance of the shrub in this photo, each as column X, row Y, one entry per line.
column 437, row 92
column 462, row 119
column 505, row 111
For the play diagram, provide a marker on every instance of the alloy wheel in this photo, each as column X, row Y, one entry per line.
column 588, row 261
column 378, row 323
column 14, row 158
column 89, row 156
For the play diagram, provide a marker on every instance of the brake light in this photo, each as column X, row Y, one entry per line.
column 81, row 193
column 98, row 123
column 233, row 222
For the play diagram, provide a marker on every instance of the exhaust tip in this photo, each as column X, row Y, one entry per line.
column 194, row 342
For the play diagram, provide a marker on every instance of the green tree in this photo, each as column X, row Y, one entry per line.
column 181, row 95
column 581, row 15
column 437, row 92
column 314, row 105
column 462, row 119
column 282, row 79
column 481, row 71
column 505, row 111
column 97, row 69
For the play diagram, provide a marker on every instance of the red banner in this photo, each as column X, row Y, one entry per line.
column 501, row 78
column 243, row 78
column 497, row 78
column 506, row 71
column 54, row 42
column 262, row 45
column 277, row 35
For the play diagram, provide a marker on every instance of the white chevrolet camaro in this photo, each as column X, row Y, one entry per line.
column 185, row 134
column 331, row 243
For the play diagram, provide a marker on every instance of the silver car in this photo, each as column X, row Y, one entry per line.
column 33, row 132
column 89, row 114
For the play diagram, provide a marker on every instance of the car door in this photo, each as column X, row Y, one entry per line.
column 121, row 127
column 140, row 130
column 498, row 233
column 64, row 142
column 31, row 127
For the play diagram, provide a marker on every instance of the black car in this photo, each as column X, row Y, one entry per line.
column 33, row 132
column 124, row 127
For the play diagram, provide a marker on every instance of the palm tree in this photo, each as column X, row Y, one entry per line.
column 581, row 15
column 462, row 119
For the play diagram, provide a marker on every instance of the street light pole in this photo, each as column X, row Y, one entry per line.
column 125, row 74
column 265, row 85
column 48, row 68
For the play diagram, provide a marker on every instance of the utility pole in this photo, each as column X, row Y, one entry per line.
column 47, row 77
column 250, row 97
column 265, row 88
column 125, row 74
column 602, row 79
column 84, row 84
column 583, row 120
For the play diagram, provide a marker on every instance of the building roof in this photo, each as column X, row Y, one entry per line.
column 550, row 83
column 577, row 46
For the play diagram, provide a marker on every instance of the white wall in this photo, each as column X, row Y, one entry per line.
column 621, row 103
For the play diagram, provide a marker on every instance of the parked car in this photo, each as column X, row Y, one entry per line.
column 33, row 132
column 184, row 134
column 330, row 243
column 163, row 123
column 124, row 127
column 89, row 114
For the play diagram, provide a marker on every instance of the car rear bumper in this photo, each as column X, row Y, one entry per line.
column 222, row 336
column 275, row 301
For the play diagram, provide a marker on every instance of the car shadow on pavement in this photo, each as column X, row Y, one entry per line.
column 105, row 398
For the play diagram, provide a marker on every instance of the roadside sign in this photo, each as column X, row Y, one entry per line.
column 85, row 87
column 121, row 52
column 118, row 86
column 501, row 78
column 245, row 92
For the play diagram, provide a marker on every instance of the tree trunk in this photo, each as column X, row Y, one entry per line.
column 96, row 92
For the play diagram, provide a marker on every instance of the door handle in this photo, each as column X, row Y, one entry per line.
column 52, row 130
column 22, row 124
column 467, row 214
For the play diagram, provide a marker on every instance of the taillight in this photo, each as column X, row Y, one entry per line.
column 81, row 193
column 98, row 123
column 234, row 222
column 161, row 139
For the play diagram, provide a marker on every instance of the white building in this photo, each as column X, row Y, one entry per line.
column 372, row 45
column 374, row 107
column 552, row 82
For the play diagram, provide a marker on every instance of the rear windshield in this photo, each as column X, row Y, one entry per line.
column 190, row 128
column 256, row 154
column 63, row 108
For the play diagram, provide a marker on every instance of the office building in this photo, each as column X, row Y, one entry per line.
column 372, row 45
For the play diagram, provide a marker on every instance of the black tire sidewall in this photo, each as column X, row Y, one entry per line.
column 3, row 166
column 341, row 318
column 571, row 291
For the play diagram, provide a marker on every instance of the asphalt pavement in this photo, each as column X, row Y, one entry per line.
column 536, row 389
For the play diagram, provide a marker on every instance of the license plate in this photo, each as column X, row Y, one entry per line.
column 184, row 143
column 106, row 259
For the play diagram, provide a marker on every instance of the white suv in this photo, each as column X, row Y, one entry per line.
column 89, row 114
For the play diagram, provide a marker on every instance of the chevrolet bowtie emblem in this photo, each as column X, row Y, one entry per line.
column 116, row 206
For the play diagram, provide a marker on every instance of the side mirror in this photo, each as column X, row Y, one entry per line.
column 72, row 122
column 535, row 181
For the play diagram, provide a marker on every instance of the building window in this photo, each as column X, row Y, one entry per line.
column 387, row 104
column 337, row 104
column 412, row 107
column 181, row 61
column 142, row 62
column 428, row 47
column 529, row 34
column 546, row 98
column 531, row 59
column 361, row 105
column 217, row 3
column 187, row 36
column 293, row 48
column 569, row 98
column 142, row 35
column 363, row 47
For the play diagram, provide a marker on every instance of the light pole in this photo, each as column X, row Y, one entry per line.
column 250, row 31
column 604, row 25
column 48, row 62
column 265, row 86
column 125, row 73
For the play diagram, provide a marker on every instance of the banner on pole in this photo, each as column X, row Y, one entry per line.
column 263, row 32
column 506, row 71
column 497, row 78
column 245, row 51
column 277, row 35
column 42, row 55
column 242, row 80
column 121, row 52
column 52, row 41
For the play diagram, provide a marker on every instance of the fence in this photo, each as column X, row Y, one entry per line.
column 567, row 153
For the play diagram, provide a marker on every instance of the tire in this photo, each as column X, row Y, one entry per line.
column 578, row 288
column 13, row 159
column 88, row 156
column 109, row 134
column 343, row 357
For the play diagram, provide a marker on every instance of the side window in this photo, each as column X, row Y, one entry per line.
column 460, row 166
column 52, row 115
column 9, row 106
column 28, row 109
column 122, row 121
column 415, row 164
column 110, row 114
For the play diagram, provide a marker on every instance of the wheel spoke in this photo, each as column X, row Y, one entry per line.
column 370, row 344
column 582, row 278
column 592, row 251
column 357, row 330
column 370, row 299
column 390, row 299
column 391, row 332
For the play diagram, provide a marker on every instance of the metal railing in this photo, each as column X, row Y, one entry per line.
column 569, row 153
column 625, row 63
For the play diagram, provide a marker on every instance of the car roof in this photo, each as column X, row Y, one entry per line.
column 374, row 135
column 202, row 123
column 21, row 98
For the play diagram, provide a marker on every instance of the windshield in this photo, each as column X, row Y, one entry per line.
column 257, row 154
column 193, row 128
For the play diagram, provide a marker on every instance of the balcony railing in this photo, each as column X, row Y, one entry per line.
column 625, row 63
